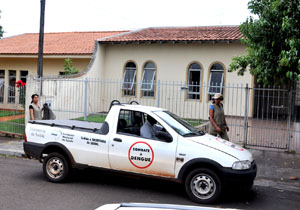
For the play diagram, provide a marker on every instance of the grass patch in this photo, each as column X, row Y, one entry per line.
column 194, row 122
column 93, row 118
column 6, row 113
column 13, row 126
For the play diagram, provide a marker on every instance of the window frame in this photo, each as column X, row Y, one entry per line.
column 133, row 80
column 221, row 83
column 2, row 87
column 24, row 80
column 210, row 94
column 145, row 92
column 129, row 92
column 188, row 93
column 24, row 77
column 144, row 115
column 9, row 90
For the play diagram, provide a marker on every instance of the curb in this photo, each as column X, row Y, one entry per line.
column 12, row 153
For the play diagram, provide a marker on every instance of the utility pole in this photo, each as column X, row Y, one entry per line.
column 41, row 44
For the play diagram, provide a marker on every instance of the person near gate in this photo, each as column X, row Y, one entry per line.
column 35, row 110
column 217, row 125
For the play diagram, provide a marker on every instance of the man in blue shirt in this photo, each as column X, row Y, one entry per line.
column 148, row 129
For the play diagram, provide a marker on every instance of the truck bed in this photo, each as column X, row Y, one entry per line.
column 101, row 128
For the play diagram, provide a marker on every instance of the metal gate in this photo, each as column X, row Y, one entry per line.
column 275, row 118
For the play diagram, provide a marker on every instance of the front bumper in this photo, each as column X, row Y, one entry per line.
column 33, row 149
column 237, row 177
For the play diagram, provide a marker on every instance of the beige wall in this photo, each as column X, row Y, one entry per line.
column 52, row 67
column 172, row 60
column 67, row 94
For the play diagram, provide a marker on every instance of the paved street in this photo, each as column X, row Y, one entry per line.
column 23, row 186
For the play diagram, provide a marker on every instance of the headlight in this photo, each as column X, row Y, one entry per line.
column 241, row 165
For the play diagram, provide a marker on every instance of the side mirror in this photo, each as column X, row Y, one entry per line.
column 164, row 136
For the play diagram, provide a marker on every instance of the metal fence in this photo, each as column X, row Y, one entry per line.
column 260, row 116
column 12, row 115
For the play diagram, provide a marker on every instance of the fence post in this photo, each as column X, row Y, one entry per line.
column 246, row 115
column 85, row 98
column 41, row 86
column 290, row 102
column 158, row 93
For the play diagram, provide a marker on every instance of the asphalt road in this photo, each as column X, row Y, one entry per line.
column 23, row 186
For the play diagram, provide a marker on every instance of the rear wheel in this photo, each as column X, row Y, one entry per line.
column 203, row 186
column 55, row 167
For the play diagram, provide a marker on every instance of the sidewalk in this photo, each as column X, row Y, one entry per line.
column 11, row 146
column 275, row 169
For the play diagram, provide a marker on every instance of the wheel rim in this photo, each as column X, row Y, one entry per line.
column 203, row 186
column 55, row 168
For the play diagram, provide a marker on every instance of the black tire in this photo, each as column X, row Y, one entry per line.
column 211, row 186
column 56, row 167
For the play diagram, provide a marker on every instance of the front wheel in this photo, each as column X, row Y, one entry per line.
column 55, row 167
column 203, row 186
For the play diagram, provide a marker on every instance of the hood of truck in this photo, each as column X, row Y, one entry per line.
column 224, row 146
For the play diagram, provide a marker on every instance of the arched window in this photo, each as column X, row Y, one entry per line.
column 148, row 80
column 194, row 81
column 2, row 83
column 129, row 80
column 216, row 79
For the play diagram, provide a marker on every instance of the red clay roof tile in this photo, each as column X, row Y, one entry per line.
column 201, row 33
column 64, row 43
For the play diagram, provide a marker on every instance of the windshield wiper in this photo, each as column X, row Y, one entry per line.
column 200, row 133
column 191, row 134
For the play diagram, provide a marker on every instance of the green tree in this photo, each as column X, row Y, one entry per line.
column 69, row 68
column 272, row 41
column 1, row 29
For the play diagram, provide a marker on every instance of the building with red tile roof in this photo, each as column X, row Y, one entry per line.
column 193, row 56
column 63, row 43
column 178, row 34
column 18, row 57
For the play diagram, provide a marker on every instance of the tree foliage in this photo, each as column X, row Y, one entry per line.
column 69, row 68
column 1, row 29
column 272, row 41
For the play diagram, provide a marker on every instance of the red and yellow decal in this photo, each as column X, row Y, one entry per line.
column 141, row 155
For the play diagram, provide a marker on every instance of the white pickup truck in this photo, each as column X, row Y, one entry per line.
column 205, row 164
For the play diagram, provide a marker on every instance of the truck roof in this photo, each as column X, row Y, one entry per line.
column 141, row 107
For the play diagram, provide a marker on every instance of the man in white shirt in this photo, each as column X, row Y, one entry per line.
column 148, row 129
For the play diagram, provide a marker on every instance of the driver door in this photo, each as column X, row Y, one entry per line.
column 128, row 151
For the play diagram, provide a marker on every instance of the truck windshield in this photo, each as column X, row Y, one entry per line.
column 179, row 125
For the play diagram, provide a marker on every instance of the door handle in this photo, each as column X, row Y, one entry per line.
column 117, row 139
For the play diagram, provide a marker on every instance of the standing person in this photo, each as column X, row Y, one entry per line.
column 217, row 120
column 35, row 110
